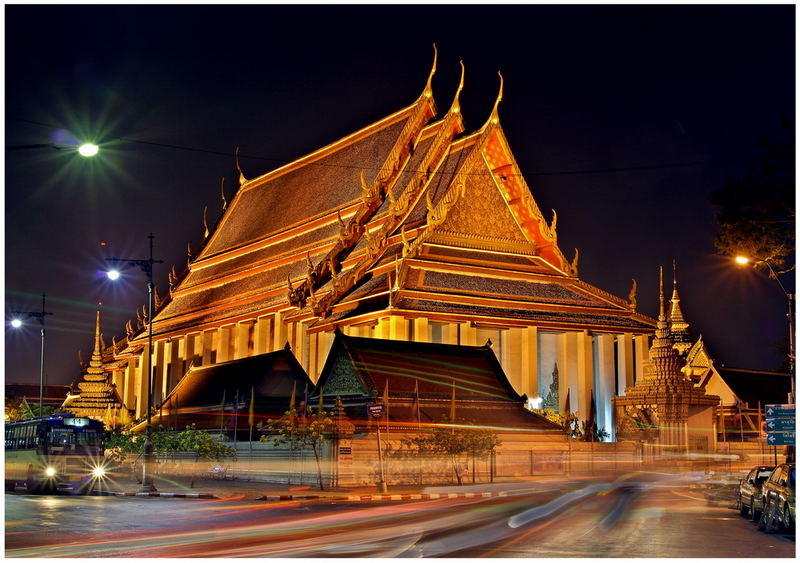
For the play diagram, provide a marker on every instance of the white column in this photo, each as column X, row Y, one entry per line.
column 262, row 336
column 209, row 350
column 141, row 380
column 624, row 362
column 242, row 339
column 450, row 333
column 421, row 330
column 129, row 390
column 530, row 361
column 178, row 352
column 281, row 332
column 605, row 382
column 469, row 335
column 642, row 345
column 225, row 343
column 313, row 356
column 382, row 330
column 515, row 370
column 398, row 328
column 567, row 354
column 585, row 372
column 159, row 361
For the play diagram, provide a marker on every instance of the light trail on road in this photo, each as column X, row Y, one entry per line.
column 630, row 517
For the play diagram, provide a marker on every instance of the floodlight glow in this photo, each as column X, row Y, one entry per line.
column 50, row 471
column 742, row 260
column 98, row 472
column 113, row 274
column 88, row 149
column 16, row 323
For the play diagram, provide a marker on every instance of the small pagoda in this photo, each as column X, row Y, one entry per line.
column 97, row 397
column 665, row 407
column 678, row 327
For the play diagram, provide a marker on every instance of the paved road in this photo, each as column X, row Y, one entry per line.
column 622, row 519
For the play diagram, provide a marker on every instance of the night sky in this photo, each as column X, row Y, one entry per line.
column 622, row 118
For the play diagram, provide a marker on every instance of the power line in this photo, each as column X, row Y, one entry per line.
column 643, row 167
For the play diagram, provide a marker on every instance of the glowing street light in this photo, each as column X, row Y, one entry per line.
column 88, row 150
column 17, row 323
column 147, row 267
column 745, row 260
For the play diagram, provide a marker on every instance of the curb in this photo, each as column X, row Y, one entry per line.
column 382, row 497
column 170, row 495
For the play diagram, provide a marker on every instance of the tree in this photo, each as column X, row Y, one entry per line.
column 453, row 442
column 300, row 431
column 21, row 409
column 756, row 213
column 121, row 443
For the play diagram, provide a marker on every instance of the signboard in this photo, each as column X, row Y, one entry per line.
column 780, row 438
column 780, row 424
column 375, row 410
column 345, row 450
column 779, row 411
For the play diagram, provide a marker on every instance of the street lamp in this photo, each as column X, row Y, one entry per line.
column 86, row 150
column 16, row 323
column 745, row 260
column 147, row 267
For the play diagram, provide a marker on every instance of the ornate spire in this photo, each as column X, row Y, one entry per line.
column 679, row 328
column 456, row 106
column 96, row 393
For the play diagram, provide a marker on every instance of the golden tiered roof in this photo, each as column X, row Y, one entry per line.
column 406, row 215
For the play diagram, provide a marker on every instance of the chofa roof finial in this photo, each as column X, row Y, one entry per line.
column 456, row 106
column 428, row 91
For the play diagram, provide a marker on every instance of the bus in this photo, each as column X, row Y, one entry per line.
column 57, row 453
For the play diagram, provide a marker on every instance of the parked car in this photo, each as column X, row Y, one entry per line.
column 749, row 498
column 777, row 495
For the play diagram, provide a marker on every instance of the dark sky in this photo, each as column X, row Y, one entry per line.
column 622, row 118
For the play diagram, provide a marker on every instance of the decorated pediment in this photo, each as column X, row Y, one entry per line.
column 343, row 379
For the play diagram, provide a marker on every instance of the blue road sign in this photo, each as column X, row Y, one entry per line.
column 779, row 411
column 780, row 438
column 780, row 424
column 375, row 410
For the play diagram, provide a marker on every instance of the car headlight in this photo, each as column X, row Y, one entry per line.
column 98, row 471
column 50, row 471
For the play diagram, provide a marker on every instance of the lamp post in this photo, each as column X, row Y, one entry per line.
column 16, row 323
column 744, row 260
column 147, row 267
column 86, row 150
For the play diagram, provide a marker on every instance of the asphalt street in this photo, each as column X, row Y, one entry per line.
column 593, row 518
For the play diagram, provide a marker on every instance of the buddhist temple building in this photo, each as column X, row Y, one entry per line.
column 421, row 384
column 97, row 397
column 219, row 397
column 665, row 407
column 409, row 229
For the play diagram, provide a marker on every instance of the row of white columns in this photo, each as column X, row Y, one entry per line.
column 585, row 361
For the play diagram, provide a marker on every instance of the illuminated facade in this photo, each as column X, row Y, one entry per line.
column 407, row 229
column 665, row 406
